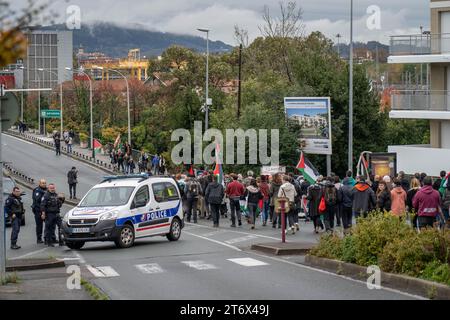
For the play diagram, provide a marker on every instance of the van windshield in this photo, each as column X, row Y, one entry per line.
column 107, row 197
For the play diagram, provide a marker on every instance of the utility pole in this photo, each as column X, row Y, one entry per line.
column 338, row 36
column 350, row 105
column 239, row 82
column 2, row 215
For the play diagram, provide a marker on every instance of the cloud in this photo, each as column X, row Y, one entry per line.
column 182, row 16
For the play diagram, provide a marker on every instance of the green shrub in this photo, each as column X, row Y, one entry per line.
column 329, row 247
column 348, row 249
column 408, row 256
column 437, row 271
column 389, row 242
column 371, row 235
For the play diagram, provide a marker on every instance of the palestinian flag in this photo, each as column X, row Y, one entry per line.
column 307, row 169
column 218, row 169
column 97, row 147
column 191, row 171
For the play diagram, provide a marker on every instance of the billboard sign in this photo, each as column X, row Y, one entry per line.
column 383, row 164
column 272, row 170
column 314, row 116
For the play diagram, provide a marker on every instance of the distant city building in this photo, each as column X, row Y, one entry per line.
column 51, row 50
column 133, row 66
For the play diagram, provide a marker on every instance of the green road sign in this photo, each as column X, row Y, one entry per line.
column 51, row 113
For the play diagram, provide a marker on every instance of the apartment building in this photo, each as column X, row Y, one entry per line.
column 430, row 48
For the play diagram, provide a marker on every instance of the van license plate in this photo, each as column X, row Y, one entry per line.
column 81, row 230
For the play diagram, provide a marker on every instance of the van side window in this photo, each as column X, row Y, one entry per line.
column 142, row 195
column 172, row 192
column 159, row 191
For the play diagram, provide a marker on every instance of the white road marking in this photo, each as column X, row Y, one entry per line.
column 210, row 234
column 149, row 268
column 82, row 261
column 311, row 268
column 239, row 232
column 241, row 239
column 199, row 265
column 248, row 262
column 337, row 275
column 103, row 272
column 18, row 139
column 215, row 241
column 29, row 254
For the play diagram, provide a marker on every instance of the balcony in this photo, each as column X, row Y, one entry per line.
column 420, row 104
column 420, row 48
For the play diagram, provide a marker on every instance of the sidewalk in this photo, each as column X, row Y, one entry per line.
column 49, row 284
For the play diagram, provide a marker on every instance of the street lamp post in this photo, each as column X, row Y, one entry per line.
column 128, row 99
column 39, row 103
column 350, row 106
column 60, row 97
column 90, row 102
column 207, row 77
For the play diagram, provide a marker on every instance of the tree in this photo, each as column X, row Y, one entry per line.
column 13, row 42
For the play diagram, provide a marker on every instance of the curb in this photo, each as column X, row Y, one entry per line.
column 30, row 264
column 420, row 287
column 283, row 249
column 75, row 155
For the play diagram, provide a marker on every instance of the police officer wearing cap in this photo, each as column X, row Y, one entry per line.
column 38, row 193
column 14, row 209
column 50, row 208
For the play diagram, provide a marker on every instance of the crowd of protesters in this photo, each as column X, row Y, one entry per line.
column 329, row 202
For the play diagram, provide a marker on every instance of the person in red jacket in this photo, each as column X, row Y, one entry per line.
column 235, row 190
column 427, row 203
column 264, row 187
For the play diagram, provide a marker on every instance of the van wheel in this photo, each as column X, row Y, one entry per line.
column 175, row 230
column 126, row 237
column 75, row 245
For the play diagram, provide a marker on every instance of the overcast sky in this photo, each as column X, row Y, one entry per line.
column 184, row 16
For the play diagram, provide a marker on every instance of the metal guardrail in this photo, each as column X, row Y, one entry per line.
column 18, row 174
column 420, row 44
column 420, row 100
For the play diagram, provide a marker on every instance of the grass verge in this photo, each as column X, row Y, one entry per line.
column 94, row 292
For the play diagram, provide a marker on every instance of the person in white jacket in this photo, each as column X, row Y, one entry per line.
column 287, row 190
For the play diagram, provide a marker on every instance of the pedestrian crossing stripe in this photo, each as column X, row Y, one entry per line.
column 149, row 268
column 103, row 272
column 248, row 262
column 199, row 265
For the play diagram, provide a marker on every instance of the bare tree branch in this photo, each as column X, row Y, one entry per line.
column 241, row 36
column 289, row 24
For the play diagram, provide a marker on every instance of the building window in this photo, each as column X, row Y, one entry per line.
column 39, row 51
column 46, row 39
column 38, row 39
column 54, row 51
column 53, row 39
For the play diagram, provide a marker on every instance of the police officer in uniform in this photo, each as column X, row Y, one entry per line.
column 38, row 193
column 14, row 209
column 50, row 208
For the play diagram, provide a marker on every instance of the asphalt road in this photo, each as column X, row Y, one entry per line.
column 205, row 264
column 38, row 162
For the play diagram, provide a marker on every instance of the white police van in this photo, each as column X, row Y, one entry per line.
column 123, row 209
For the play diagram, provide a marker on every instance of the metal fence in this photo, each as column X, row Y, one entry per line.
column 420, row 44
column 420, row 100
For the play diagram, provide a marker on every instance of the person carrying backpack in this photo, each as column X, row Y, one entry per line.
column 192, row 191
column 331, row 201
column 214, row 194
